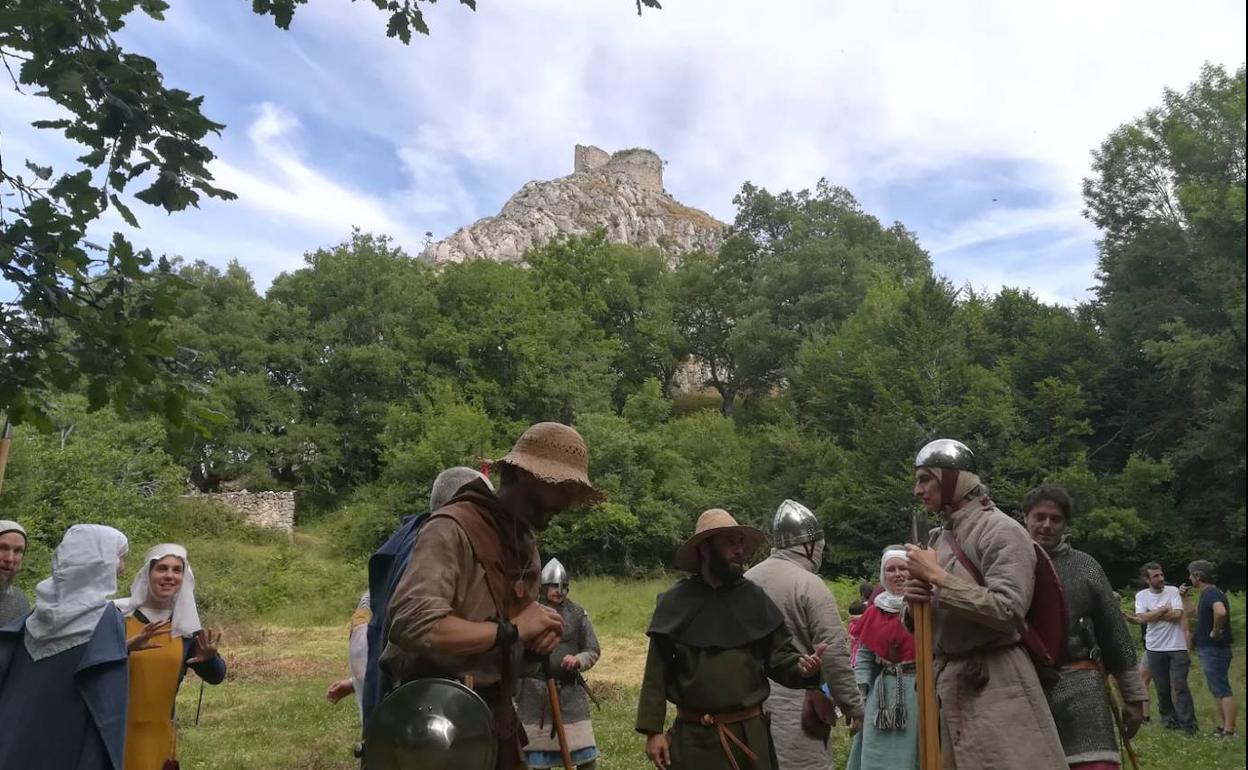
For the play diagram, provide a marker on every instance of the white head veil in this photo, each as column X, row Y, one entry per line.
column 69, row 605
column 887, row 600
column 185, row 618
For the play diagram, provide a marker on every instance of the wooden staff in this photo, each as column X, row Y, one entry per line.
column 556, row 713
column 1115, row 698
column 6, row 435
column 924, row 675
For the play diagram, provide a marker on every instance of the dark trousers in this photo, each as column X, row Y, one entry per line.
column 1174, row 699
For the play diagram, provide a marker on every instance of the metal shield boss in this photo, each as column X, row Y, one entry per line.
column 431, row 724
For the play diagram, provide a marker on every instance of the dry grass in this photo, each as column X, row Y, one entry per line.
column 271, row 713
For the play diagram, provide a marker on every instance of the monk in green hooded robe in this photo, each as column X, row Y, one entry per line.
column 715, row 638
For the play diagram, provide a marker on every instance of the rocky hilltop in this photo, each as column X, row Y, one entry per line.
column 621, row 193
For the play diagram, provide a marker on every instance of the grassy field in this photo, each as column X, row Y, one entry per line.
column 271, row 713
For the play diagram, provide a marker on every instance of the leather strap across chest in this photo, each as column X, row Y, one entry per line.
column 504, row 573
column 503, row 569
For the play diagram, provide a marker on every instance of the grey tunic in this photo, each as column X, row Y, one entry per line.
column 811, row 615
column 533, row 701
column 1080, row 699
column 13, row 604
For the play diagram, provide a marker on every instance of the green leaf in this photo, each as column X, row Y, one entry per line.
column 124, row 210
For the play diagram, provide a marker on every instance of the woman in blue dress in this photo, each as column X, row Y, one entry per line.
column 884, row 670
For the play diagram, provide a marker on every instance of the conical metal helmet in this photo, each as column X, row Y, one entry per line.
column 554, row 574
column 794, row 524
column 946, row 453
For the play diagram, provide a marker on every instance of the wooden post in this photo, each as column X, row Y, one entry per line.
column 925, row 681
column 925, row 672
column 556, row 713
column 6, row 439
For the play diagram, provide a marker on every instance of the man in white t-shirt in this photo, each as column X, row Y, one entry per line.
column 1161, row 607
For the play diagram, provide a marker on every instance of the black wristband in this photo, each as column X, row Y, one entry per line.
column 506, row 636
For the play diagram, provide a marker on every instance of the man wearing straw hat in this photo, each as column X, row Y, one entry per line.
column 715, row 639
column 993, row 711
column 466, row 607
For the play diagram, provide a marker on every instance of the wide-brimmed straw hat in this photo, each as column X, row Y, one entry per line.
column 556, row 454
column 713, row 522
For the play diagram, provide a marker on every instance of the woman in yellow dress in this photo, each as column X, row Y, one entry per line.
column 165, row 638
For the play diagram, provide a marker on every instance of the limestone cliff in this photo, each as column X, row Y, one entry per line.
column 621, row 193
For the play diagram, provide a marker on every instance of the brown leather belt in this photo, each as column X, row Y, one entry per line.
column 720, row 722
column 1084, row 665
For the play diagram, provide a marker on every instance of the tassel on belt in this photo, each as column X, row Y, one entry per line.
column 894, row 717
column 720, row 722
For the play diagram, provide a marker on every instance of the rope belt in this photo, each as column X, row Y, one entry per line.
column 894, row 717
column 720, row 722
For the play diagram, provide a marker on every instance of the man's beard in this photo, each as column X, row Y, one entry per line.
column 724, row 570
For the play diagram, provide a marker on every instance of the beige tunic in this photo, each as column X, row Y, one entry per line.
column 811, row 615
column 443, row 578
column 1005, row 724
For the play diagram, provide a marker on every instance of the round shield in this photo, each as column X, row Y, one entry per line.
column 431, row 724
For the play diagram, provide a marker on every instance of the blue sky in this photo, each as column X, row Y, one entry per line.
column 972, row 123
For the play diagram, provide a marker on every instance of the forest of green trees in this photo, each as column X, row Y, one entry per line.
column 832, row 350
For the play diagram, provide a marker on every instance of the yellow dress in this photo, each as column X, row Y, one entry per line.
column 154, row 672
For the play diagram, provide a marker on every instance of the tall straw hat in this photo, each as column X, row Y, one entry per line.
column 555, row 454
column 713, row 522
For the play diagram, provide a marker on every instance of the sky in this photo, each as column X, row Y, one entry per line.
column 972, row 123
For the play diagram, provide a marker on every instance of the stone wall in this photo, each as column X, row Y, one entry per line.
column 588, row 158
column 271, row 510
column 644, row 166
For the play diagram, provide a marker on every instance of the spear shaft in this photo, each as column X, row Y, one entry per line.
column 924, row 670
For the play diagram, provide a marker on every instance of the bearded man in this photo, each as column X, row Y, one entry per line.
column 993, row 711
column 466, row 607
column 13, row 603
column 715, row 640
column 790, row 576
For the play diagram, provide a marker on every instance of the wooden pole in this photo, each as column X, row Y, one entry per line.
column 925, row 679
column 924, row 671
column 557, row 713
column 6, row 439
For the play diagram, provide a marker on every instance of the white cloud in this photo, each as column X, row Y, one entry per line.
column 279, row 180
column 1001, row 224
column 869, row 95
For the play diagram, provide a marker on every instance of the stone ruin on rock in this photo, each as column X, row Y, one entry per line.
column 621, row 193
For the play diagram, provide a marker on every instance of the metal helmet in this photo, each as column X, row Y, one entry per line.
column 431, row 724
column 946, row 453
column 554, row 574
column 794, row 524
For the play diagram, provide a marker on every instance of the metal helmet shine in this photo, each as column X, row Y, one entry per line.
column 946, row 453
column 431, row 724
column 794, row 524
column 554, row 574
